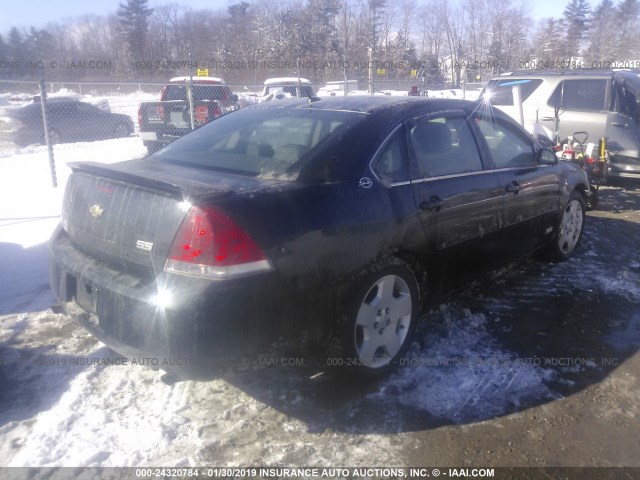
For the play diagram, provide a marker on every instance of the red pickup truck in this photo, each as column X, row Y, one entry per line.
column 170, row 118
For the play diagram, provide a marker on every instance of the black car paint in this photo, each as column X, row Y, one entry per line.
column 321, row 226
column 69, row 124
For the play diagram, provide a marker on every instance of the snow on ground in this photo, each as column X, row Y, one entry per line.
column 67, row 400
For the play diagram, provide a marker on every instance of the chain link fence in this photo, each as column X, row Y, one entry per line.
column 101, row 121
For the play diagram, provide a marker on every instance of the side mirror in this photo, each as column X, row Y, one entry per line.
column 546, row 157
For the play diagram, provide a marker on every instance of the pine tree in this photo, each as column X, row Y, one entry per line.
column 133, row 18
column 576, row 16
column 548, row 49
column 627, row 26
column 602, row 41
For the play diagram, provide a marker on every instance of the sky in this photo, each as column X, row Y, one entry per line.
column 37, row 13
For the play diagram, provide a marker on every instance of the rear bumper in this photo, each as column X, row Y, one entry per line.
column 149, row 136
column 206, row 328
column 621, row 166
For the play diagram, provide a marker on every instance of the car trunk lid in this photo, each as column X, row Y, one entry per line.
column 128, row 214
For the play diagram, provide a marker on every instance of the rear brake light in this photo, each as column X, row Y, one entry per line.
column 210, row 244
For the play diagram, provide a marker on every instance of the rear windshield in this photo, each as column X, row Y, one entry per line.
column 255, row 142
column 200, row 92
column 305, row 90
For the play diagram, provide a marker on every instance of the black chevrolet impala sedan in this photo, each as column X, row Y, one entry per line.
column 321, row 223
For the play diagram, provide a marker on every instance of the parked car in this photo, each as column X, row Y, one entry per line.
column 286, row 87
column 603, row 103
column 170, row 118
column 322, row 222
column 69, row 121
column 337, row 88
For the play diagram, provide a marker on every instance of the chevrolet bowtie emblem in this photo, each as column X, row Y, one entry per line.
column 96, row 211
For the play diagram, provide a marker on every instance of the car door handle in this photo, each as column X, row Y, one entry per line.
column 433, row 204
column 620, row 124
column 513, row 187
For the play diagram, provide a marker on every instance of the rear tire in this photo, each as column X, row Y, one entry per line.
column 376, row 328
column 121, row 130
column 570, row 228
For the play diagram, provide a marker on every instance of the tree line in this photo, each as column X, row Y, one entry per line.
column 406, row 40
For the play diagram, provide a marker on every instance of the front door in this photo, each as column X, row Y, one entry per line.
column 532, row 191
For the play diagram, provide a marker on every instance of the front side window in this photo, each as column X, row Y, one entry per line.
column 444, row 146
column 580, row 94
column 508, row 148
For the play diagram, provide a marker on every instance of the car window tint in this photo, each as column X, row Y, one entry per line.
column 391, row 164
column 444, row 146
column 257, row 141
column 580, row 94
column 508, row 148
column 500, row 92
column 200, row 92
column 625, row 101
column 87, row 109
column 62, row 109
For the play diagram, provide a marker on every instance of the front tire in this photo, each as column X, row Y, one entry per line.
column 121, row 130
column 375, row 331
column 570, row 228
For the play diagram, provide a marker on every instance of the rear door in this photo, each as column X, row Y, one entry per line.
column 459, row 200
column 623, row 125
column 583, row 106
column 532, row 191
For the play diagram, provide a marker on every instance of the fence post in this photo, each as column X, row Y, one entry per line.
column 190, row 98
column 45, row 119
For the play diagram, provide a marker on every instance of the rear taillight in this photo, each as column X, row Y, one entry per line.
column 140, row 116
column 210, row 244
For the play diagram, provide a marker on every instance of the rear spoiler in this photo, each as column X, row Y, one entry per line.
column 108, row 171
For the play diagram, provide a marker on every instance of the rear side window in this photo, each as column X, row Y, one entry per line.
column 580, row 94
column 501, row 91
column 257, row 141
column 392, row 164
column 444, row 146
column 305, row 90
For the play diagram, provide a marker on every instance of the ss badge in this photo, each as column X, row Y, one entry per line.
column 142, row 245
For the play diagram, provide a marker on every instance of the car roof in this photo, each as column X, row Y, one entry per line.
column 595, row 73
column 285, row 80
column 369, row 104
column 390, row 107
column 198, row 80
